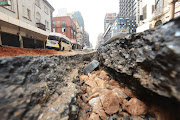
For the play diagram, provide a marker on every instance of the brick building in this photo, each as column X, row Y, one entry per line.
column 66, row 26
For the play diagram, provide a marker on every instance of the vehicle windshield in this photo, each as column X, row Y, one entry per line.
column 53, row 38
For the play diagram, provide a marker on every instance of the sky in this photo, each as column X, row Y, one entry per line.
column 93, row 12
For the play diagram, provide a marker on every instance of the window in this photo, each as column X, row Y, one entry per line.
column 58, row 22
column 38, row 17
column 63, row 23
column 11, row 7
column 153, row 8
column 47, row 24
column 65, row 41
column 53, row 38
column 63, row 29
column 37, row 20
column 159, row 5
column 26, row 13
column 46, row 10
column 37, row 2
column 54, row 25
column 145, row 12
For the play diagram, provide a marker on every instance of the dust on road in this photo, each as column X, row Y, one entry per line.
column 13, row 51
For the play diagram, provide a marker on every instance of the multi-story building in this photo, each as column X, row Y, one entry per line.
column 125, row 8
column 99, row 39
column 80, row 20
column 66, row 26
column 26, row 23
column 161, row 13
column 79, row 31
column 129, row 9
column 154, row 13
column 109, row 19
column 121, row 27
column 86, row 40
column 147, row 8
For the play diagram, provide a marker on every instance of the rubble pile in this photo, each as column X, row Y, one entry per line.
column 151, row 57
column 139, row 81
column 148, row 63
column 39, row 87
column 104, row 98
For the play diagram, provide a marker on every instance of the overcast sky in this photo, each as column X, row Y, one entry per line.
column 93, row 12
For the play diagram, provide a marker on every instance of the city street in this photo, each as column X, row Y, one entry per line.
column 89, row 59
column 6, row 51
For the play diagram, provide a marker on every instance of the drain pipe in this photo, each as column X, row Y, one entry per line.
column 172, row 8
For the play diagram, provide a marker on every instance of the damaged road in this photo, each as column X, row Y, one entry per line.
column 39, row 87
column 137, row 79
column 104, row 98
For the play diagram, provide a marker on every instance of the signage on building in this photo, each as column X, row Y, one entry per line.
column 124, row 30
column 73, row 41
column 5, row 3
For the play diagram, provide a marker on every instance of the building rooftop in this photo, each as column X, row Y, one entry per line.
column 49, row 4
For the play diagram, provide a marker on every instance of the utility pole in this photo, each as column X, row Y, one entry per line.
column 19, row 29
column 172, row 8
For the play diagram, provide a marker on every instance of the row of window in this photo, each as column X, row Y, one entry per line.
column 64, row 23
column 65, row 41
column 27, row 14
column 37, row 2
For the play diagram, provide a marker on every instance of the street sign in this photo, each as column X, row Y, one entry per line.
column 5, row 3
column 124, row 30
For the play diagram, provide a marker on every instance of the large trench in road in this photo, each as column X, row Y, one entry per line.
column 137, row 79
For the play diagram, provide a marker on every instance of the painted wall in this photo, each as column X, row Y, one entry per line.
column 69, row 26
column 30, row 4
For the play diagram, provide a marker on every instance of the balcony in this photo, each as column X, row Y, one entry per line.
column 41, row 26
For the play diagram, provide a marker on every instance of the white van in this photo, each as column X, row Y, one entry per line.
column 58, row 41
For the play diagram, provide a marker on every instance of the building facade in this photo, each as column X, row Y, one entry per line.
column 161, row 12
column 109, row 19
column 79, row 32
column 86, row 40
column 66, row 26
column 155, row 13
column 125, row 8
column 78, row 16
column 129, row 9
column 99, row 39
column 121, row 27
column 146, row 11
column 30, row 19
